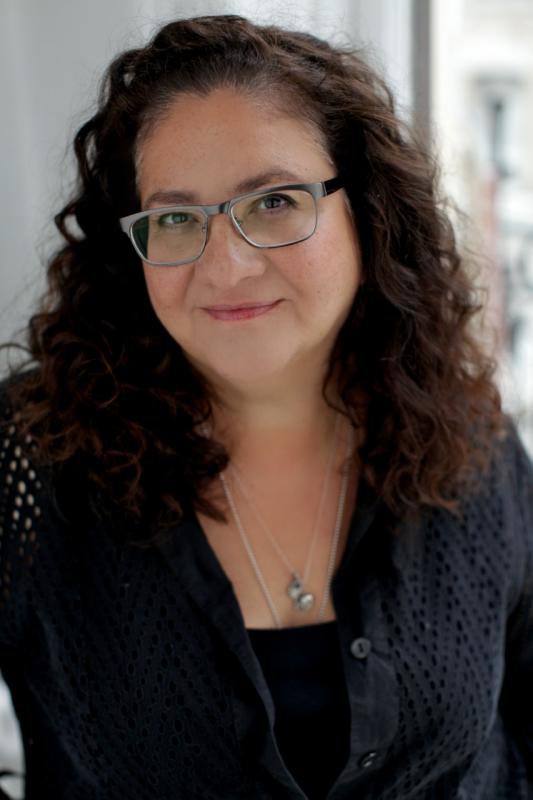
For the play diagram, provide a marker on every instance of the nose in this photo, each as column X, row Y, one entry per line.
column 228, row 258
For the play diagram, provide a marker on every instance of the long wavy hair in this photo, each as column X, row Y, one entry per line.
column 112, row 398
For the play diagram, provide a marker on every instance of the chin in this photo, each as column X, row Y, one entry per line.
column 244, row 370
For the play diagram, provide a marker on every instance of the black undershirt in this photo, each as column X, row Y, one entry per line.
column 303, row 669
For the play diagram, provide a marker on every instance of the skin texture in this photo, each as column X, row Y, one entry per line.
column 267, row 371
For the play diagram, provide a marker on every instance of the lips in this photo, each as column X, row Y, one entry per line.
column 238, row 307
column 233, row 313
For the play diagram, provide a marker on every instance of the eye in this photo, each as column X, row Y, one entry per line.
column 275, row 202
column 173, row 219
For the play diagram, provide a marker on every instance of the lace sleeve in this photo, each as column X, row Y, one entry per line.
column 20, row 512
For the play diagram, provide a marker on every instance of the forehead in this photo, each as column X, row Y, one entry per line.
column 214, row 142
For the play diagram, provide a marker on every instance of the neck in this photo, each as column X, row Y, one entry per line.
column 289, row 429
column 272, row 436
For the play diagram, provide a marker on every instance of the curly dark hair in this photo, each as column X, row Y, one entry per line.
column 114, row 395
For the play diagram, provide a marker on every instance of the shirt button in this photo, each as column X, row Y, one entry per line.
column 360, row 648
column 368, row 759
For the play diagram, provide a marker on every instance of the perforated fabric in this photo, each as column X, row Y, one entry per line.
column 133, row 676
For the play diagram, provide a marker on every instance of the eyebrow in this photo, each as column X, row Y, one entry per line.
column 177, row 196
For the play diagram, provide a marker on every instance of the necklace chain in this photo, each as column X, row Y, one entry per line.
column 318, row 517
column 333, row 547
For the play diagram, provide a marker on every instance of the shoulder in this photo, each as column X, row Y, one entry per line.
column 21, row 514
column 16, row 449
column 517, row 468
column 485, row 545
column 518, row 465
column 499, row 513
column 510, row 479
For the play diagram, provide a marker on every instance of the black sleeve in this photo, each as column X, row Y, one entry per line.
column 20, row 524
column 517, row 693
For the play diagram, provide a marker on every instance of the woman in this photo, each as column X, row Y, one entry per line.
column 266, row 531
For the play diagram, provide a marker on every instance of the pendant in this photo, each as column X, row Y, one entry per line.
column 303, row 601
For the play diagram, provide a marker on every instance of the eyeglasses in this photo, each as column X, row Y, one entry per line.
column 273, row 217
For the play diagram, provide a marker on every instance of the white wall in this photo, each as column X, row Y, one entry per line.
column 50, row 54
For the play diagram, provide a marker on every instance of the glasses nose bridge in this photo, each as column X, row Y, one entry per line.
column 222, row 208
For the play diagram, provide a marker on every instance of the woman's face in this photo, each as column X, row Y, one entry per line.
column 207, row 147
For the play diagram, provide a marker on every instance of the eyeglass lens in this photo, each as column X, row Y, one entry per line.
column 269, row 220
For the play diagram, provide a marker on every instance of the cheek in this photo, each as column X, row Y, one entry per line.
column 163, row 287
column 331, row 270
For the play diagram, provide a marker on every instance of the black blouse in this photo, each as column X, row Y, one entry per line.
column 133, row 675
column 303, row 669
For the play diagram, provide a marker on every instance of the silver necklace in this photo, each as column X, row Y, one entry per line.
column 302, row 599
column 294, row 590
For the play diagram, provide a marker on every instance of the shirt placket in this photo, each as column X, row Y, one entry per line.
column 371, row 682
column 372, row 689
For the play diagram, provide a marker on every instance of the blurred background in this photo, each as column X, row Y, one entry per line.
column 462, row 74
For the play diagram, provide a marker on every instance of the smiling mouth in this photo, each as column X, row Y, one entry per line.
column 240, row 312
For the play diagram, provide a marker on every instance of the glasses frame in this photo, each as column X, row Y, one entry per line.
column 317, row 190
